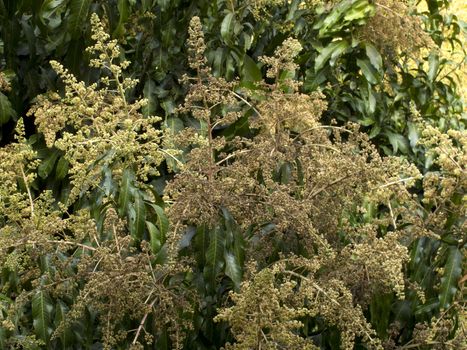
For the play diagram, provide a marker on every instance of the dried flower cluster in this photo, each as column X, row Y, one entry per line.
column 63, row 255
column 444, row 189
column 394, row 30
column 298, row 178
column 96, row 126
column 301, row 196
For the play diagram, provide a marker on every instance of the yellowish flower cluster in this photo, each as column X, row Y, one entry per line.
column 95, row 125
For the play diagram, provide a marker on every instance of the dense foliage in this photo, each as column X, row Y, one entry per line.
column 241, row 174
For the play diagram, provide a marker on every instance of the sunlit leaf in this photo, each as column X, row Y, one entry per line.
column 227, row 26
column 368, row 71
column 233, row 269
column 374, row 56
column 332, row 51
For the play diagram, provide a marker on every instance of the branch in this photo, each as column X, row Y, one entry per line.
column 313, row 194
column 143, row 321
column 31, row 201
column 245, row 101
column 398, row 181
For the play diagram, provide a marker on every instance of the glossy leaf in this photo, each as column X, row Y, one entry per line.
column 78, row 14
column 62, row 168
column 233, row 269
column 125, row 190
column 149, row 92
column 154, row 237
column 124, row 12
column 162, row 221
column 46, row 166
column 433, row 66
column 137, row 216
column 368, row 71
column 227, row 27
column 250, row 71
column 61, row 310
column 398, row 142
column 42, row 310
column 451, row 275
column 374, row 56
column 6, row 110
column 214, row 256
column 332, row 51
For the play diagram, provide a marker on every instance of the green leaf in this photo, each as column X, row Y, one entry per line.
column 250, row 70
column 168, row 106
column 371, row 106
column 214, row 257
column 451, row 275
column 62, row 168
column 285, row 173
column 154, row 237
column 233, row 269
column 398, row 142
column 78, row 15
column 433, row 65
column 125, row 191
column 374, row 56
column 227, row 26
column 344, row 14
column 413, row 134
column 61, row 310
column 46, row 166
column 368, row 71
column 375, row 131
column 162, row 221
column 402, row 310
column 325, row 27
column 174, row 124
column 124, row 11
column 6, row 111
column 380, row 310
column 137, row 216
column 360, row 9
column 150, row 93
column 42, row 309
column 201, row 242
column 146, row 5
column 332, row 51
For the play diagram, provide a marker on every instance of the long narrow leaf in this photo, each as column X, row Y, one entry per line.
column 125, row 191
column 137, row 217
column 42, row 309
column 214, row 257
column 78, row 13
column 452, row 273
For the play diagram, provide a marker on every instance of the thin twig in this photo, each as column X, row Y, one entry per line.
column 322, row 127
column 170, row 155
column 398, row 181
column 84, row 246
column 143, row 321
column 31, row 201
column 392, row 215
column 231, row 156
column 324, row 146
column 315, row 193
column 389, row 9
column 317, row 287
column 246, row 102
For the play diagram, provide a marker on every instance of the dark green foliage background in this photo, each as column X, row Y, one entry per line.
column 153, row 34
